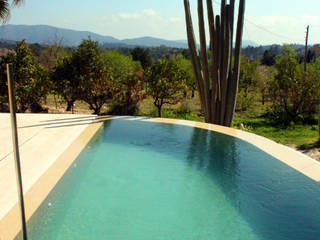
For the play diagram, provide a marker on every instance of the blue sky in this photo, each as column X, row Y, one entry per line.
column 272, row 21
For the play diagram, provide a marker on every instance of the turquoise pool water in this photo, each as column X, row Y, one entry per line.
column 149, row 181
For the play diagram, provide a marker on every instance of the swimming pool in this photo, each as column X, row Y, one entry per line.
column 144, row 180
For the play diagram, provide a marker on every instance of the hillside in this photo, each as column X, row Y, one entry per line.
column 44, row 34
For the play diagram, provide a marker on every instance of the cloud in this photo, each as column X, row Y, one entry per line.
column 149, row 12
column 175, row 20
column 129, row 16
column 145, row 13
column 145, row 22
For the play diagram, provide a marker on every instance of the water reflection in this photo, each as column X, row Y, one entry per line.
column 277, row 201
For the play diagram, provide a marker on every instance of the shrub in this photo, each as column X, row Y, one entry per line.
column 294, row 93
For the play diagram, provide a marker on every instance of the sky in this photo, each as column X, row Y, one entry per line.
column 266, row 22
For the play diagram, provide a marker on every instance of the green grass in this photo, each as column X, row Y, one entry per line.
column 302, row 136
column 189, row 109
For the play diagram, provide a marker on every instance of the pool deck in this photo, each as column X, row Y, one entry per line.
column 50, row 143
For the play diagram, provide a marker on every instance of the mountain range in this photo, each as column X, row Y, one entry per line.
column 44, row 34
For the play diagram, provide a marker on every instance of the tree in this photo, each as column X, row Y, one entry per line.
column 294, row 92
column 92, row 74
column 3, row 86
column 167, row 83
column 127, row 80
column 250, row 78
column 84, row 76
column 249, row 74
column 31, row 80
column 269, row 58
column 66, row 84
column 266, row 76
column 5, row 8
column 49, row 56
column 4, row 15
column 186, row 65
column 142, row 55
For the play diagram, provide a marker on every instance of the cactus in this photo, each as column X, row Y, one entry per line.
column 218, row 83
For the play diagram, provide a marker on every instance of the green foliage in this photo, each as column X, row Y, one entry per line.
column 300, row 135
column 249, row 82
column 294, row 93
column 84, row 76
column 167, row 83
column 50, row 56
column 186, row 65
column 249, row 74
column 31, row 80
column 65, row 84
column 269, row 58
column 142, row 55
column 245, row 100
column 127, row 80
column 3, row 86
column 266, row 77
column 93, row 74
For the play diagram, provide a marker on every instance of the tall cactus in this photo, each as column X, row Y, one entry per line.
column 217, row 83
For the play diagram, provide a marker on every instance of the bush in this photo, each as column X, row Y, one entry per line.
column 294, row 92
column 245, row 100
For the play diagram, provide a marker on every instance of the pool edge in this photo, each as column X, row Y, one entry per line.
column 9, row 226
column 294, row 159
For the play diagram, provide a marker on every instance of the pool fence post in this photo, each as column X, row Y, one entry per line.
column 12, row 104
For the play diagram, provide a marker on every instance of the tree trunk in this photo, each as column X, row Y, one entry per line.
column 319, row 121
column 55, row 101
column 97, row 111
column 70, row 106
column 159, row 111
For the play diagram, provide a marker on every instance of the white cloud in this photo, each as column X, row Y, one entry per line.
column 175, row 20
column 129, row 16
column 149, row 12
column 134, row 15
column 145, row 22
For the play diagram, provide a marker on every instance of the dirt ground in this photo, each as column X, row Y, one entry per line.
column 313, row 153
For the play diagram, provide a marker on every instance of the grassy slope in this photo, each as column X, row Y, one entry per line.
column 302, row 136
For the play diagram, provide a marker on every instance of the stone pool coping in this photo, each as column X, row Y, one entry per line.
column 50, row 143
